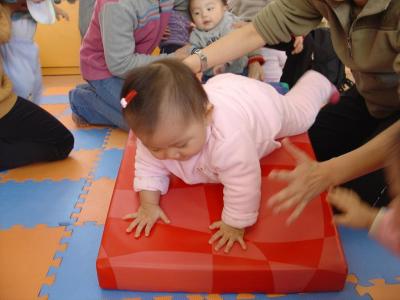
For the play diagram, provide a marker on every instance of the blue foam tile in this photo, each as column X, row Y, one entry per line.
column 109, row 163
column 89, row 138
column 367, row 259
column 76, row 276
column 31, row 203
column 349, row 292
column 67, row 111
column 53, row 99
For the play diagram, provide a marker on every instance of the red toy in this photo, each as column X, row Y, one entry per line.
column 304, row 257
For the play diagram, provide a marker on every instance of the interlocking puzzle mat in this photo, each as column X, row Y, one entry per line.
column 52, row 217
column 305, row 257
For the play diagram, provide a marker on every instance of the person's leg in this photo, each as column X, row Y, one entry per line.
column 297, row 64
column 302, row 103
column 99, row 102
column 29, row 134
column 344, row 127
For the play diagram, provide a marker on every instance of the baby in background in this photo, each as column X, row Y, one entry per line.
column 212, row 21
column 212, row 133
column 383, row 224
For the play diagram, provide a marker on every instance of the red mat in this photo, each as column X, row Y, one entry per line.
column 304, row 257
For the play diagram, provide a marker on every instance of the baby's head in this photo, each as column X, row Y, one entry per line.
column 206, row 14
column 167, row 109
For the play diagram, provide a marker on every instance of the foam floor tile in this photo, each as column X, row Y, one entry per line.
column 76, row 277
column 90, row 139
column 25, row 257
column 66, row 119
column 381, row 290
column 55, row 109
column 54, row 99
column 78, row 165
column 367, row 259
column 109, row 163
column 95, row 205
column 116, row 139
column 31, row 203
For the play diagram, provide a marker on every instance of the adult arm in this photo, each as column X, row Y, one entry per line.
column 277, row 22
column 310, row 178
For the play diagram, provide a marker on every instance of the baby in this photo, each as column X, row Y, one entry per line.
column 214, row 133
column 212, row 21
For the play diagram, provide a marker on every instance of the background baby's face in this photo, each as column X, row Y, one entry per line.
column 206, row 14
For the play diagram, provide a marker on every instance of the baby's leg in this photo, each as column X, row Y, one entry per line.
column 303, row 102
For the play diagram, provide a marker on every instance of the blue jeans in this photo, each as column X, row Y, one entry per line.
column 98, row 102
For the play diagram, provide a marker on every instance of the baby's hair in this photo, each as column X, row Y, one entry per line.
column 165, row 87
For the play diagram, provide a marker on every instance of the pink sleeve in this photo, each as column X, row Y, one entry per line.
column 239, row 171
column 386, row 228
column 150, row 173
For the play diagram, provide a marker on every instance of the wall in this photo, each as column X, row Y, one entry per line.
column 59, row 43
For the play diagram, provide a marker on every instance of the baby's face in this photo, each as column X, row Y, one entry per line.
column 176, row 140
column 206, row 14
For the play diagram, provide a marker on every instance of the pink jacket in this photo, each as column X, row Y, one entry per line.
column 248, row 117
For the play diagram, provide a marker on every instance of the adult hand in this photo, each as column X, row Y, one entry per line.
column 146, row 216
column 305, row 182
column 256, row 71
column 227, row 235
column 354, row 212
column 298, row 45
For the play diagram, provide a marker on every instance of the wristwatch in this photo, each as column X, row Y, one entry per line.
column 203, row 59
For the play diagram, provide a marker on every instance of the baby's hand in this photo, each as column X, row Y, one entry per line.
column 227, row 235
column 145, row 217
column 354, row 212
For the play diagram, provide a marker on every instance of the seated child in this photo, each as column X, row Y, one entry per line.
column 214, row 133
column 121, row 35
column 383, row 223
column 212, row 21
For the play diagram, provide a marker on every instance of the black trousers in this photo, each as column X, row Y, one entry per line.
column 296, row 64
column 345, row 126
column 29, row 134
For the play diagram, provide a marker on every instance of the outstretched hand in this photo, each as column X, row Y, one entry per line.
column 226, row 235
column 146, row 216
column 305, row 182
